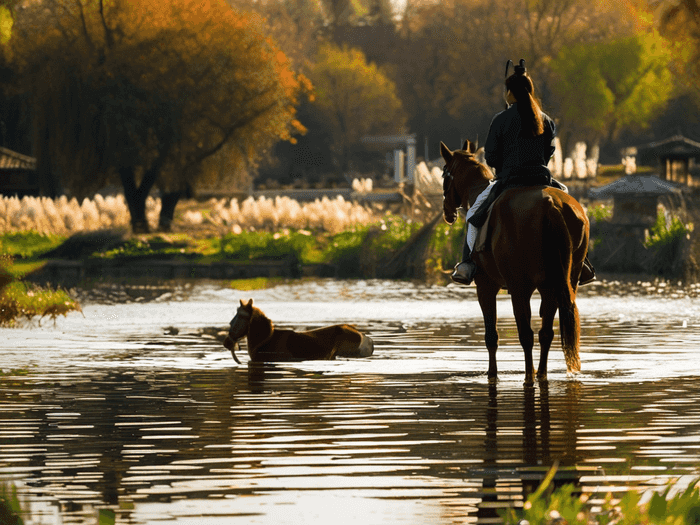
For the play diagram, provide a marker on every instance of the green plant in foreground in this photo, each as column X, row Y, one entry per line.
column 564, row 506
column 10, row 505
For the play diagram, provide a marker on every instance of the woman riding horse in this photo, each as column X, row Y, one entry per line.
column 519, row 145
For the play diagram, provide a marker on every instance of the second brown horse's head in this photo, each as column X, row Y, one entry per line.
column 239, row 326
column 462, row 172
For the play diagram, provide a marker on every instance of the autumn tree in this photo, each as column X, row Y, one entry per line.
column 146, row 92
column 450, row 63
column 355, row 99
column 606, row 87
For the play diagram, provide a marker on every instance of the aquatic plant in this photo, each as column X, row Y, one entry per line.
column 22, row 300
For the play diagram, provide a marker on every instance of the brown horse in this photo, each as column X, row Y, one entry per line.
column 266, row 343
column 537, row 240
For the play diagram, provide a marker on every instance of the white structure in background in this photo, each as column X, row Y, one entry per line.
column 400, row 161
column 578, row 165
column 556, row 163
column 630, row 164
column 428, row 182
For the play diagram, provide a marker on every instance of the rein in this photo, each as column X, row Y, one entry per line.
column 244, row 314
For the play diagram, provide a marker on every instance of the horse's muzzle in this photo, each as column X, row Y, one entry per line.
column 229, row 343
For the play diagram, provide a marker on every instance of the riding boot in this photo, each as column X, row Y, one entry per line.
column 464, row 271
column 587, row 273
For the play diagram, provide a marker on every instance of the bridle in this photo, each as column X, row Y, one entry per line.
column 448, row 182
column 245, row 316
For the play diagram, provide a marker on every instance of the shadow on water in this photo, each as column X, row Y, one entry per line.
column 152, row 418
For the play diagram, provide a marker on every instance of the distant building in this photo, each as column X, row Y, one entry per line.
column 677, row 157
column 17, row 174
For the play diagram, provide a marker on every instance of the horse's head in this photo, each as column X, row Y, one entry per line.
column 239, row 327
column 464, row 178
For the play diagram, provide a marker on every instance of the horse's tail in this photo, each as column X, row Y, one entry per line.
column 561, row 262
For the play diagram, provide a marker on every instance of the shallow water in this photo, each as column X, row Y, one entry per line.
column 137, row 407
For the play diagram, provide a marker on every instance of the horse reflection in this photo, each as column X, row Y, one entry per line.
column 538, row 450
column 269, row 344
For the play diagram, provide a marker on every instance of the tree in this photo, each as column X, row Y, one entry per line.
column 146, row 91
column 451, row 60
column 356, row 99
column 606, row 87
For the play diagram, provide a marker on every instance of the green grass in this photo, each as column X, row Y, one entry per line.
column 29, row 244
column 356, row 252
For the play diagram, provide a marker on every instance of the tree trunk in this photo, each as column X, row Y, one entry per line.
column 136, row 196
column 168, row 201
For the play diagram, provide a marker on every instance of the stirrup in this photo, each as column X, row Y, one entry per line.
column 464, row 275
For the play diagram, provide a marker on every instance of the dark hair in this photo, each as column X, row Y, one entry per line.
column 523, row 89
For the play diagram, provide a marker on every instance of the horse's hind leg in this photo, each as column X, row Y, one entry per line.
column 548, row 309
column 486, row 293
column 523, row 315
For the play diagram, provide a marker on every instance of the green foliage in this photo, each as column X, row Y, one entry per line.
column 666, row 243
column 355, row 98
column 10, row 505
column 23, row 300
column 608, row 86
column 259, row 245
column 666, row 232
column 28, row 244
column 344, row 250
column 445, row 247
column 599, row 213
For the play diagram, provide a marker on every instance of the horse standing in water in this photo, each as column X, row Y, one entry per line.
column 537, row 240
column 268, row 344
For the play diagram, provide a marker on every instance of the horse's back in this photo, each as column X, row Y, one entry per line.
column 523, row 236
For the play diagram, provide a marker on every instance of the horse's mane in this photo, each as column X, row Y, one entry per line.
column 260, row 328
column 470, row 158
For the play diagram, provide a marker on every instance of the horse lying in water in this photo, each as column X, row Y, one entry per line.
column 266, row 343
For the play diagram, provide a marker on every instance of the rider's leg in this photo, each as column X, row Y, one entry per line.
column 464, row 271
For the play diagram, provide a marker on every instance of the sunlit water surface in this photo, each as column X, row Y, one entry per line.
column 136, row 407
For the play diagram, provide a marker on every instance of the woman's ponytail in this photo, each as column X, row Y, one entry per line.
column 523, row 89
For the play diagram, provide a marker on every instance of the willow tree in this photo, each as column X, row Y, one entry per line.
column 144, row 92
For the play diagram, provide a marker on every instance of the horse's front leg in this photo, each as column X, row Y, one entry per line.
column 486, row 293
column 523, row 315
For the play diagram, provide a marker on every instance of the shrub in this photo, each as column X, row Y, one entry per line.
column 666, row 242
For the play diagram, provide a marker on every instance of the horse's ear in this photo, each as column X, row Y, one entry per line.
column 445, row 152
column 472, row 147
column 242, row 303
column 467, row 146
column 250, row 303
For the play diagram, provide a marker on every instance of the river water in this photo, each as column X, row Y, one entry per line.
column 135, row 406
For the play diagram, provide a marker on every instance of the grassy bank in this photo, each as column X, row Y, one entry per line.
column 357, row 252
column 20, row 300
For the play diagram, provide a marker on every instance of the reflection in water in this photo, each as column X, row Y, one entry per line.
column 162, row 425
column 260, row 440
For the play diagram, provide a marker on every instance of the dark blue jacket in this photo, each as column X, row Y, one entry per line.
column 507, row 149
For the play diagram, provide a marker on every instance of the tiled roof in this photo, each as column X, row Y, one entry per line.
column 12, row 160
column 635, row 185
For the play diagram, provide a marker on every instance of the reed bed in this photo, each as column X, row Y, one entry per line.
column 65, row 216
